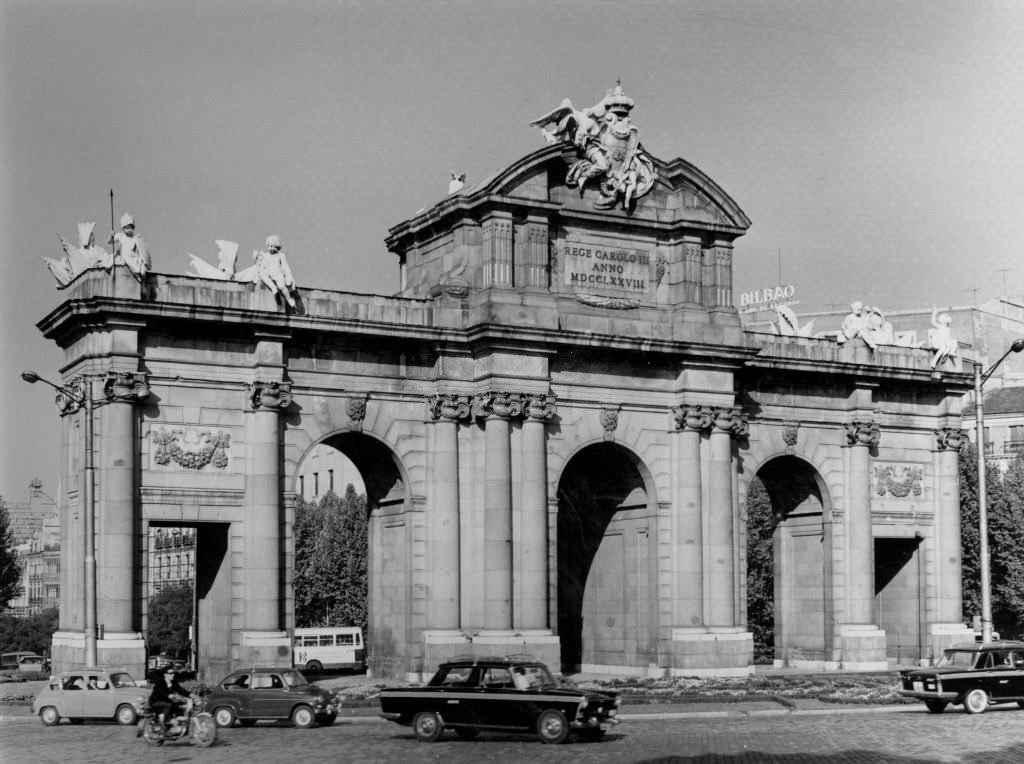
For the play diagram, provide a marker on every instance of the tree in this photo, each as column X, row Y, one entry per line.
column 760, row 570
column 170, row 615
column 331, row 561
column 1006, row 531
column 31, row 633
column 10, row 566
column 969, row 540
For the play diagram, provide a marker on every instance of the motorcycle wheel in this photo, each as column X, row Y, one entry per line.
column 152, row 732
column 204, row 730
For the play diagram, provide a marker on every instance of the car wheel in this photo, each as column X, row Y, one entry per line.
column 552, row 727
column 49, row 716
column 224, row 716
column 152, row 732
column 467, row 733
column 976, row 701
column 314, row 667
column 936, row 706
column 591, row 733
column 125, row 714
column 427, row 726
column 303, row 717
column 204, row 730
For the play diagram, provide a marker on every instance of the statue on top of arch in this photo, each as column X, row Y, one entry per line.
column 607, row 148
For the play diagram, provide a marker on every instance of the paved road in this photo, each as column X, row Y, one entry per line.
column 845, row 737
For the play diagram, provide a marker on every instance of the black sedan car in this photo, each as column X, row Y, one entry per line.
column 250, row 695
column 504, row 694
column 975, row 675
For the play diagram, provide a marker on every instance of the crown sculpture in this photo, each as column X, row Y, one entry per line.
column 607, row 147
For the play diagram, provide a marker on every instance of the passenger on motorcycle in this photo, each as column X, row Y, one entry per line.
column 168, row 696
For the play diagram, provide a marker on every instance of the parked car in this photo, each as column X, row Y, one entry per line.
column 89, row 693
column 252, row 694
column 975, row 675
column 503, row 694
column 33, row 664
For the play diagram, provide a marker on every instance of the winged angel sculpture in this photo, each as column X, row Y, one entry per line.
column 607, row 146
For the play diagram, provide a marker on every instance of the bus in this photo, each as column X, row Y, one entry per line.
column 316, row 648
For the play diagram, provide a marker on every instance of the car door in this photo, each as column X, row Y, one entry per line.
column 97, row 698
column 270, row 698
column 71, row 695
column 498, row 704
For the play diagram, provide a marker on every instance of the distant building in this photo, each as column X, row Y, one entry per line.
column 35, row 526
column 327, row 469
column 172, row 555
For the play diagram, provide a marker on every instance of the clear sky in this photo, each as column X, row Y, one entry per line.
column 875, row 144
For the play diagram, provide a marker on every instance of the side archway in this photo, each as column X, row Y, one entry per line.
column 801, row 561
column 388, row 553
column 607, row 573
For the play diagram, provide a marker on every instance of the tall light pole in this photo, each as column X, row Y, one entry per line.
column 80, row 394
column 980, row 378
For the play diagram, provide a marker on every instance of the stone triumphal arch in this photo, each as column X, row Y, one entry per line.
column 557, row 420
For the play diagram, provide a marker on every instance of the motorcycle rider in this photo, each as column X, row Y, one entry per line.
column 168, row 696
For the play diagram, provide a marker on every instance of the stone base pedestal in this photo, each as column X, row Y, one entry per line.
column 943, row 635
column 862, row 647
column 263, row 648
column 439, row 646
column 125, row 650
column 707, row 651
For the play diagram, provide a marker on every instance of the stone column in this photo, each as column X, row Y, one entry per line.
column 115, row 515
column 533, row 554
column 721, row 605
column 498, row 409
column 690, row 422
column 262, row 558
column 442, row 519
column 947, row 526
column 860, row 437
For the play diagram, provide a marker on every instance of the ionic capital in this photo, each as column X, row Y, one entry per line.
column 691, row 417
column 503, row 405
column 449, row 407
column 126, row 386
column 540, row 408
column 730, row 419
column 949, row 439
column 862, row 433
column 270, row 396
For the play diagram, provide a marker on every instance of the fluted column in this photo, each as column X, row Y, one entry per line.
column 721, row 607
column 442, row 521
column 532, row 573
column 860, row 437
column 690, row 422
column 262, row 505
column 949, row 599
column 498, row 410
column 115, row 512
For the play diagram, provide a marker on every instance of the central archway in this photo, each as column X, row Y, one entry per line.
column 388, row 546
column 606, row 561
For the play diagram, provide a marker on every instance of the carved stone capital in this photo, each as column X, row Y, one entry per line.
column 449, row 407
column 862, row 433
column 126, row 386
column 691, row 417
column 503, row 405
column 609, row 422
column 270, row 396
column 540, row 407
column 949, row 439
column 730, row 419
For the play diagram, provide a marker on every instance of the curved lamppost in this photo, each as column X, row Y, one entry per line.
column 78, row 395
column 980, row 378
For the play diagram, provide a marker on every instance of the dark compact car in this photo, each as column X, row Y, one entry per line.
column 975, row 675
column 249, row 695
column 504, row 694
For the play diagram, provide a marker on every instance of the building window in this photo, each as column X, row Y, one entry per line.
column 330, row 480
column 316, row 483
column 1016, row 441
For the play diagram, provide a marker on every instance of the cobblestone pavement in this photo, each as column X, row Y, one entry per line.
column 843, row 737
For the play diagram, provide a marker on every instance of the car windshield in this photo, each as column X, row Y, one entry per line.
column 960, row 658
column 293, row 679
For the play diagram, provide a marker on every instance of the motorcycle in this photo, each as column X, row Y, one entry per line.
column 192, row 721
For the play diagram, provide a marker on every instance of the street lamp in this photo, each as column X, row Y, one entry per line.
column 79, row 394
column 980, row 379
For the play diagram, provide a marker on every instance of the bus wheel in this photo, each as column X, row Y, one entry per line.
column 314, row 667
